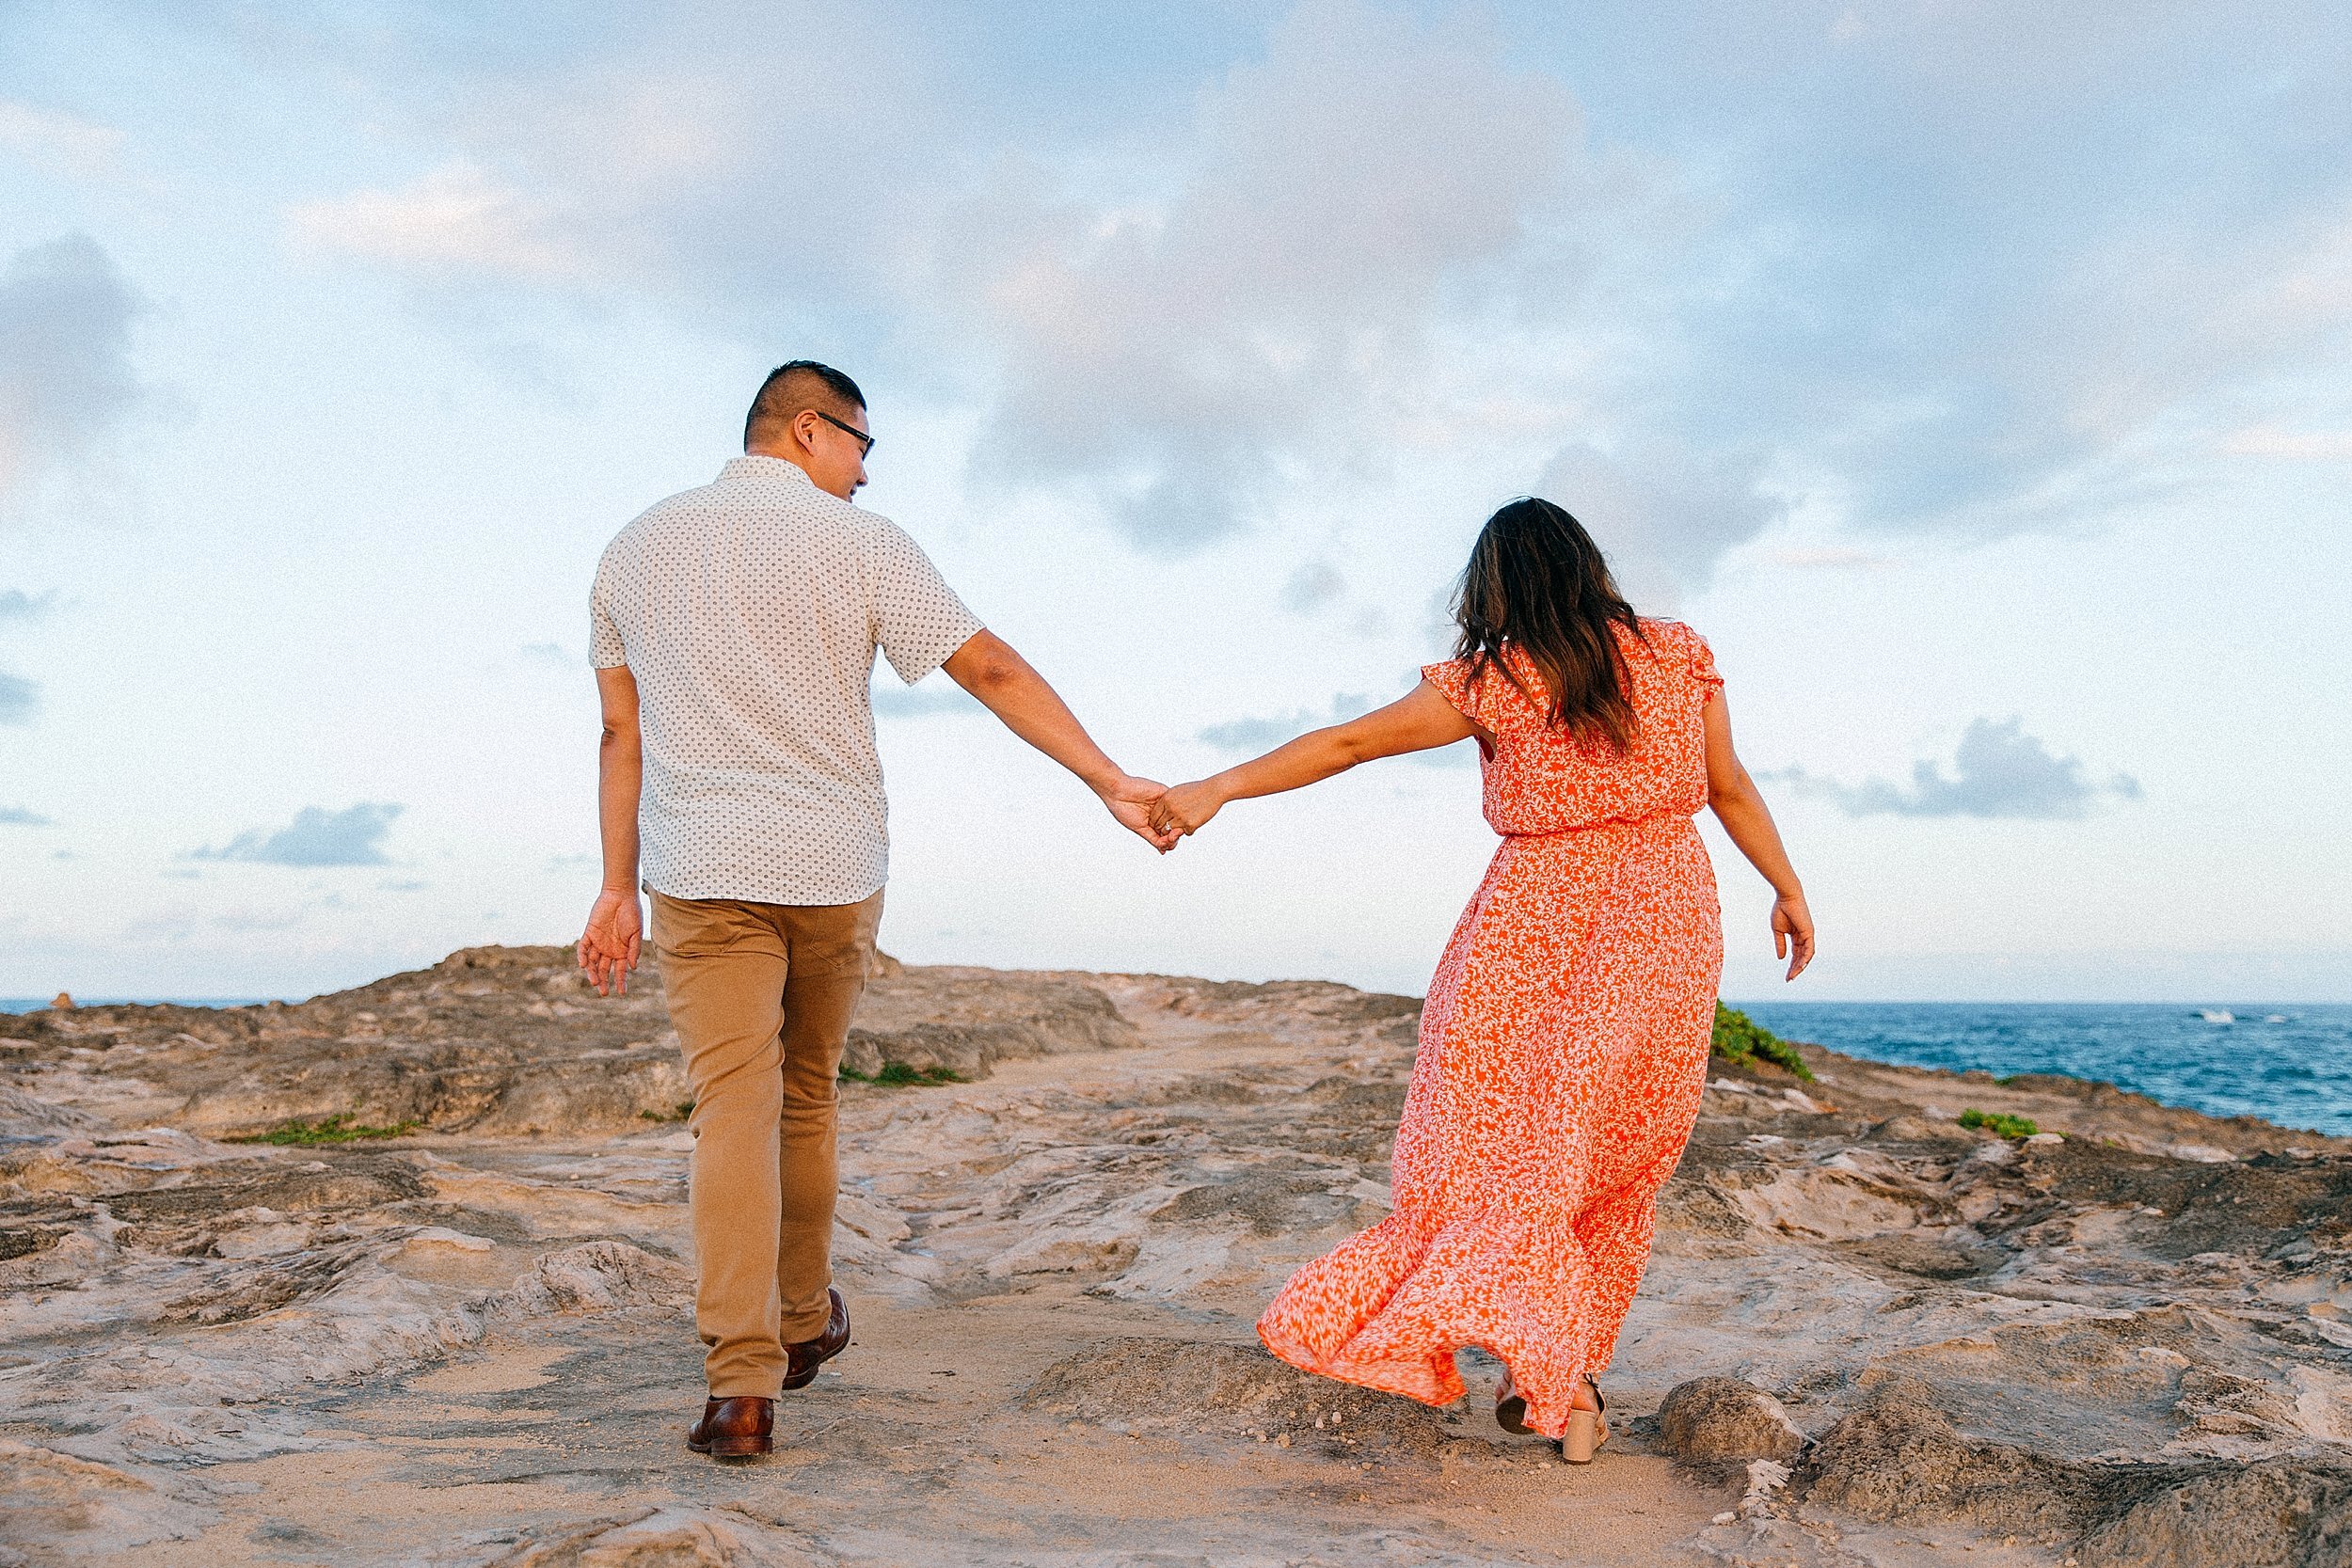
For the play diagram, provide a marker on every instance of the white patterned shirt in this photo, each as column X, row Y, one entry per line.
column 748, row 612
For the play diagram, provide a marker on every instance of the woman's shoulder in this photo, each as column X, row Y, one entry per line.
column 1490, row 692
column 1659, row 632
column 1678, row 646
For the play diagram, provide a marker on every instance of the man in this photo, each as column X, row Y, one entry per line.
column 733, row 629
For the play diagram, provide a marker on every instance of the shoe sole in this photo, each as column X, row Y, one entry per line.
column 819, row 1365
column 1511, row 1416
column 735, row 1447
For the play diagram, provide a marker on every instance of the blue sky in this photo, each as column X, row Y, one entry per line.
column 1971, row 375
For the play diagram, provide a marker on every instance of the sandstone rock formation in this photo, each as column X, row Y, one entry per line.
column 1869, row 1335
column 1714, row 1419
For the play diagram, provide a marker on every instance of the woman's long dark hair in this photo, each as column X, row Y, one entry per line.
column 1537, row 582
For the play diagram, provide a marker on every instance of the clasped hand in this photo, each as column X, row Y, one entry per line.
column 1159, row 816
column 1185, row 809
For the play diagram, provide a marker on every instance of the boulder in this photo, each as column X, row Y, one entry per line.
column 1722, row 1419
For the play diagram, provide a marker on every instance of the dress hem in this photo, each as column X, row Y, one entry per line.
column 1385, row 1377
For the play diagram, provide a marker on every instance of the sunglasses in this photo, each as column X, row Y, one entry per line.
column 864, row 442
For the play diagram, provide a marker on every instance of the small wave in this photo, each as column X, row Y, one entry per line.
column 2216, row 1015
column 2275, row 1017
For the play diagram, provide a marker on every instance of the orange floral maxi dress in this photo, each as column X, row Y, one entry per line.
column 1562, row 1054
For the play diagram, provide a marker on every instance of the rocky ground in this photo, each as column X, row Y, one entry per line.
column 1871, row 1336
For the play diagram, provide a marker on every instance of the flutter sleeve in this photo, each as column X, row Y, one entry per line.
column 1703, row 673
column 1473, row 700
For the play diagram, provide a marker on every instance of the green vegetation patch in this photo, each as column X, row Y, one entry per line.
column 1744, row 1042
column 328, row 1130
column 683, row 1109
column 1999, row 1121
column 898, row 1075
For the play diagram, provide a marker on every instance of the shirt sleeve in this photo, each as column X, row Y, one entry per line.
column 605, row 647
column 918, row 620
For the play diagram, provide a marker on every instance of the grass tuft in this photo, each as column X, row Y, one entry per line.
column 1999, row 1121
column 328, row 1130
column 900, row 1075
column 1744, row 1042
column 684, row 1108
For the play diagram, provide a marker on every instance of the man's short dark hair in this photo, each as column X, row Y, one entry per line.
column 793, row 388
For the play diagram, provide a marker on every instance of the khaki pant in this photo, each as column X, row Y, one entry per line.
column 761, row 995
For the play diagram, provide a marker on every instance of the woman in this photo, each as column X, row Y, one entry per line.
column 1564, row 1045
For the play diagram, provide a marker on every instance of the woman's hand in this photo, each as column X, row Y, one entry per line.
column 1187, row 809
column 1792, row 932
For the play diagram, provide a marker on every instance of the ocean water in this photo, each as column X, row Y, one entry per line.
column 2291, row 1064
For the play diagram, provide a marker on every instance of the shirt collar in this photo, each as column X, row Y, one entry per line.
column 755, row 466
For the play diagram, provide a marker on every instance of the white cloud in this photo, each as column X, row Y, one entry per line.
column 55, row 140
column 1182, row 328
column 1267, row 732
column 1663, row 515
column 2306, row 446
column 1279, row 306
column 17, row 605
column 1315, row 584
column 248, row 922
column 455, row 219
column 19, row 699
column 66, row 378
column 767, row 165
column 1832, row 559
column 1998, row 771
column 551, row 656
column 2271, row 300
column 353, row 837
column 1917, row 307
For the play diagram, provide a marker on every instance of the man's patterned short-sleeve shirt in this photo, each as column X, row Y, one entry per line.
column 748, row 612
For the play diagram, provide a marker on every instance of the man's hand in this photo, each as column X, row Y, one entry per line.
column 607, row 948
column 1130, row 800
column 1187, row 809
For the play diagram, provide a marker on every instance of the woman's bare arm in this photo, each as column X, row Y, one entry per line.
column 1416, row 721
column 1739, row 805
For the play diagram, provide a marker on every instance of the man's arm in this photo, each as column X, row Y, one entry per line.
column 987, row 667
column 608, row 949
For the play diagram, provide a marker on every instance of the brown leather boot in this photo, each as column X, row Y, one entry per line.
column 809, row 1355
column 734, row 1429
